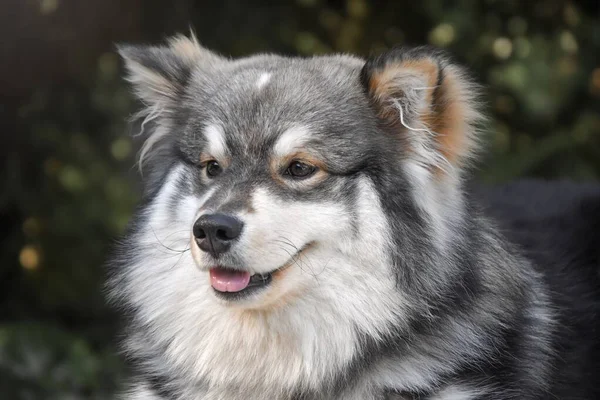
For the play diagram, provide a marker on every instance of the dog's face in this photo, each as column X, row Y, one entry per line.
column 281, row 165
column 275, row 159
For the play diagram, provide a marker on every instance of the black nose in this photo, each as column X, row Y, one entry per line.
column 215, row 232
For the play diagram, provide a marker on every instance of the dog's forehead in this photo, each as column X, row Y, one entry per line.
column 261, row 98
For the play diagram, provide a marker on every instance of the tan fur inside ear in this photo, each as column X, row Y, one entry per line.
column 448, row 119
column 432, row 104
column 395, row 79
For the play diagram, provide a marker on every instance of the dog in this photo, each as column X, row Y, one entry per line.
column 309, row 231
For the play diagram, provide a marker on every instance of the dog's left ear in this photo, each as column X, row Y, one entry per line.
column 158, row 74
column 429, row 102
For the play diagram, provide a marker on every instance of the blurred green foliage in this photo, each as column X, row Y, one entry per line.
column 68, row 179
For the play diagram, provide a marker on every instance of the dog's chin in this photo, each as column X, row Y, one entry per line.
column 237, row 287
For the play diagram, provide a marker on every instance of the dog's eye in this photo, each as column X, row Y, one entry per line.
column 299, row 169
column 213, row 168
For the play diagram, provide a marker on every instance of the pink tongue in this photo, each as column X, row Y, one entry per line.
column 227, row 280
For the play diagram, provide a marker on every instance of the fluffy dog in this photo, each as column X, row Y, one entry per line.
column 306, row 234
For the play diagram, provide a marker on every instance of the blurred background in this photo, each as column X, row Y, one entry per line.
column 67, row 178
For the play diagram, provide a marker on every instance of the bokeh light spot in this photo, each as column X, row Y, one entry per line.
column 502, row 48
column 120, row 148
column 442, row 35
column 568, row 42
column 29, row 258
column 72, row 179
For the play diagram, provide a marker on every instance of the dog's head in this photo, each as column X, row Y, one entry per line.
column 285, row 174
column 294, row 206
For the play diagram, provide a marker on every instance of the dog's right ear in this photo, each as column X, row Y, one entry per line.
column 428, row 101
column 159, row 73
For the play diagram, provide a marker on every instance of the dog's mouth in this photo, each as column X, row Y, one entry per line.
column 226, row 280
column 232, row 283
